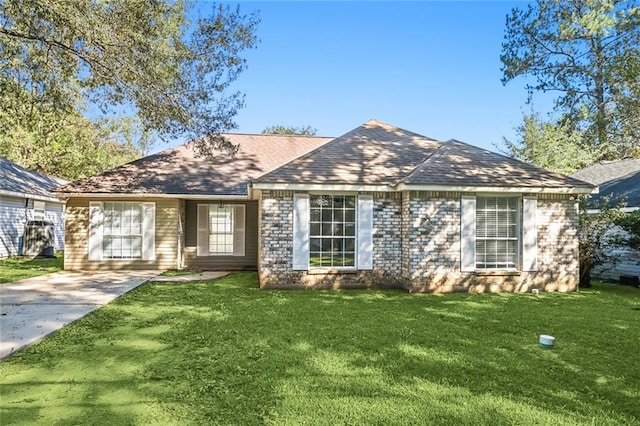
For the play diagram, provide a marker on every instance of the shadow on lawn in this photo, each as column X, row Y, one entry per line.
column 226, row 352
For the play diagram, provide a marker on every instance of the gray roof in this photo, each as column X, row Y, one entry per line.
column 17, row 180
column 374, row 153
column 381, row 154
column 458, row 163
column 615, row 178
column 179, row 171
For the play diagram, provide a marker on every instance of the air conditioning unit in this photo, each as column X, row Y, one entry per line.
column 38, row 239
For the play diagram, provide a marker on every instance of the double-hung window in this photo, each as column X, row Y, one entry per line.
column 332, row 231
column 497, row 232
column 122, row 230
column 221, row 230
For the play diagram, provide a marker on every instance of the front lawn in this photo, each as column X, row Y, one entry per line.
column 15, row 268
column 224, row 352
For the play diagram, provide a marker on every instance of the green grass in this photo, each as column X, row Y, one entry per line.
column 224, row 352
column 179, row 272
column 14, row 269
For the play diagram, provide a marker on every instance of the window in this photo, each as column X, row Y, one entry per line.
column 122, row 230
column 332, row 231
column 38, row 210
column 220, row 229
column 496, row 232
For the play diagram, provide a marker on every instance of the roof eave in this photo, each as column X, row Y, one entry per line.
column 151, row 195
column 505, row 189
column 345, row 187
column 53, row 199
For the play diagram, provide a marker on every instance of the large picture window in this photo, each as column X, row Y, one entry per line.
column 497, row 232
column 332, row 231
column 122, row 230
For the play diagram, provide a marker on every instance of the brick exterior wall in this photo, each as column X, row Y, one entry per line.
column 417, row 246
column 434, row 244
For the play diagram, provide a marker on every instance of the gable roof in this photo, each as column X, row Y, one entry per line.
column 372, row 154
column 179, row 171
column 458, row 163
column 15, row 180
column 382, row 155
column 615, row 178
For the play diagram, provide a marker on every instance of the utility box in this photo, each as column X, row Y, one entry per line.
column 38, row 239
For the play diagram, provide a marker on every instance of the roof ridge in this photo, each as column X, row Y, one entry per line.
column 418, row 168
column 277, row 135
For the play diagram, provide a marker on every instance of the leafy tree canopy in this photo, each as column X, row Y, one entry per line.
column 587, row 52
column 554, row 146
column 279, row 129
column 144, row 58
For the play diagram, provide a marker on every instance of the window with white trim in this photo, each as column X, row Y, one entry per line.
column 497, row 232
column 220, row 229
column 39, row 208
column 122, row 230
column 332, row 231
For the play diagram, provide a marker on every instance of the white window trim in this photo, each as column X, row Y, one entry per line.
column 96, row 222
column 518, row 239
column 526, row 257
column 363, row 240
column 202, row 231
column 355, row 237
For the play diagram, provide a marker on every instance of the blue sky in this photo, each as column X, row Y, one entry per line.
column 429, row 67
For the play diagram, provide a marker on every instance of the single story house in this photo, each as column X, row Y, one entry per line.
column 26, row 195
column 378, row 206
column 616, row 178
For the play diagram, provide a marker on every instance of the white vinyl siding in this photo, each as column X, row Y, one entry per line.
column 221, row 230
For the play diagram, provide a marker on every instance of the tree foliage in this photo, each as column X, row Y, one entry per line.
column 146, row 58
column 587, row 52
column 279, row 129
column 553, row 146
column 597, row 237
column 63, row 144
column 630, row 222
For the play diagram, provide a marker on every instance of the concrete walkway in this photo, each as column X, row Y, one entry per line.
column 33, row 308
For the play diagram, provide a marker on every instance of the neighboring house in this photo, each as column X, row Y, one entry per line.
column 378, row 206
column 616, row 178
column 26, row 195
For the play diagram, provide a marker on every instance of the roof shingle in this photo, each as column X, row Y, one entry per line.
column 180, row 171
column 16, row 179
column 374, row 153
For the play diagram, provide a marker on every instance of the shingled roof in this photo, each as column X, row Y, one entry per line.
column 372, row 154
column 180, row 171
column 16, row 180
column 458, row 163
column 615, row 178
column 380, row 154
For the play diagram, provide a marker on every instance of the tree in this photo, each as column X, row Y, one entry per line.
column 597, row 237
column 279, row 129
column 553, row 146
column 127, row 55
column 579, row 49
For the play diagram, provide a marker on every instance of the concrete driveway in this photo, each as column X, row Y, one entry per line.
column 31, row 309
